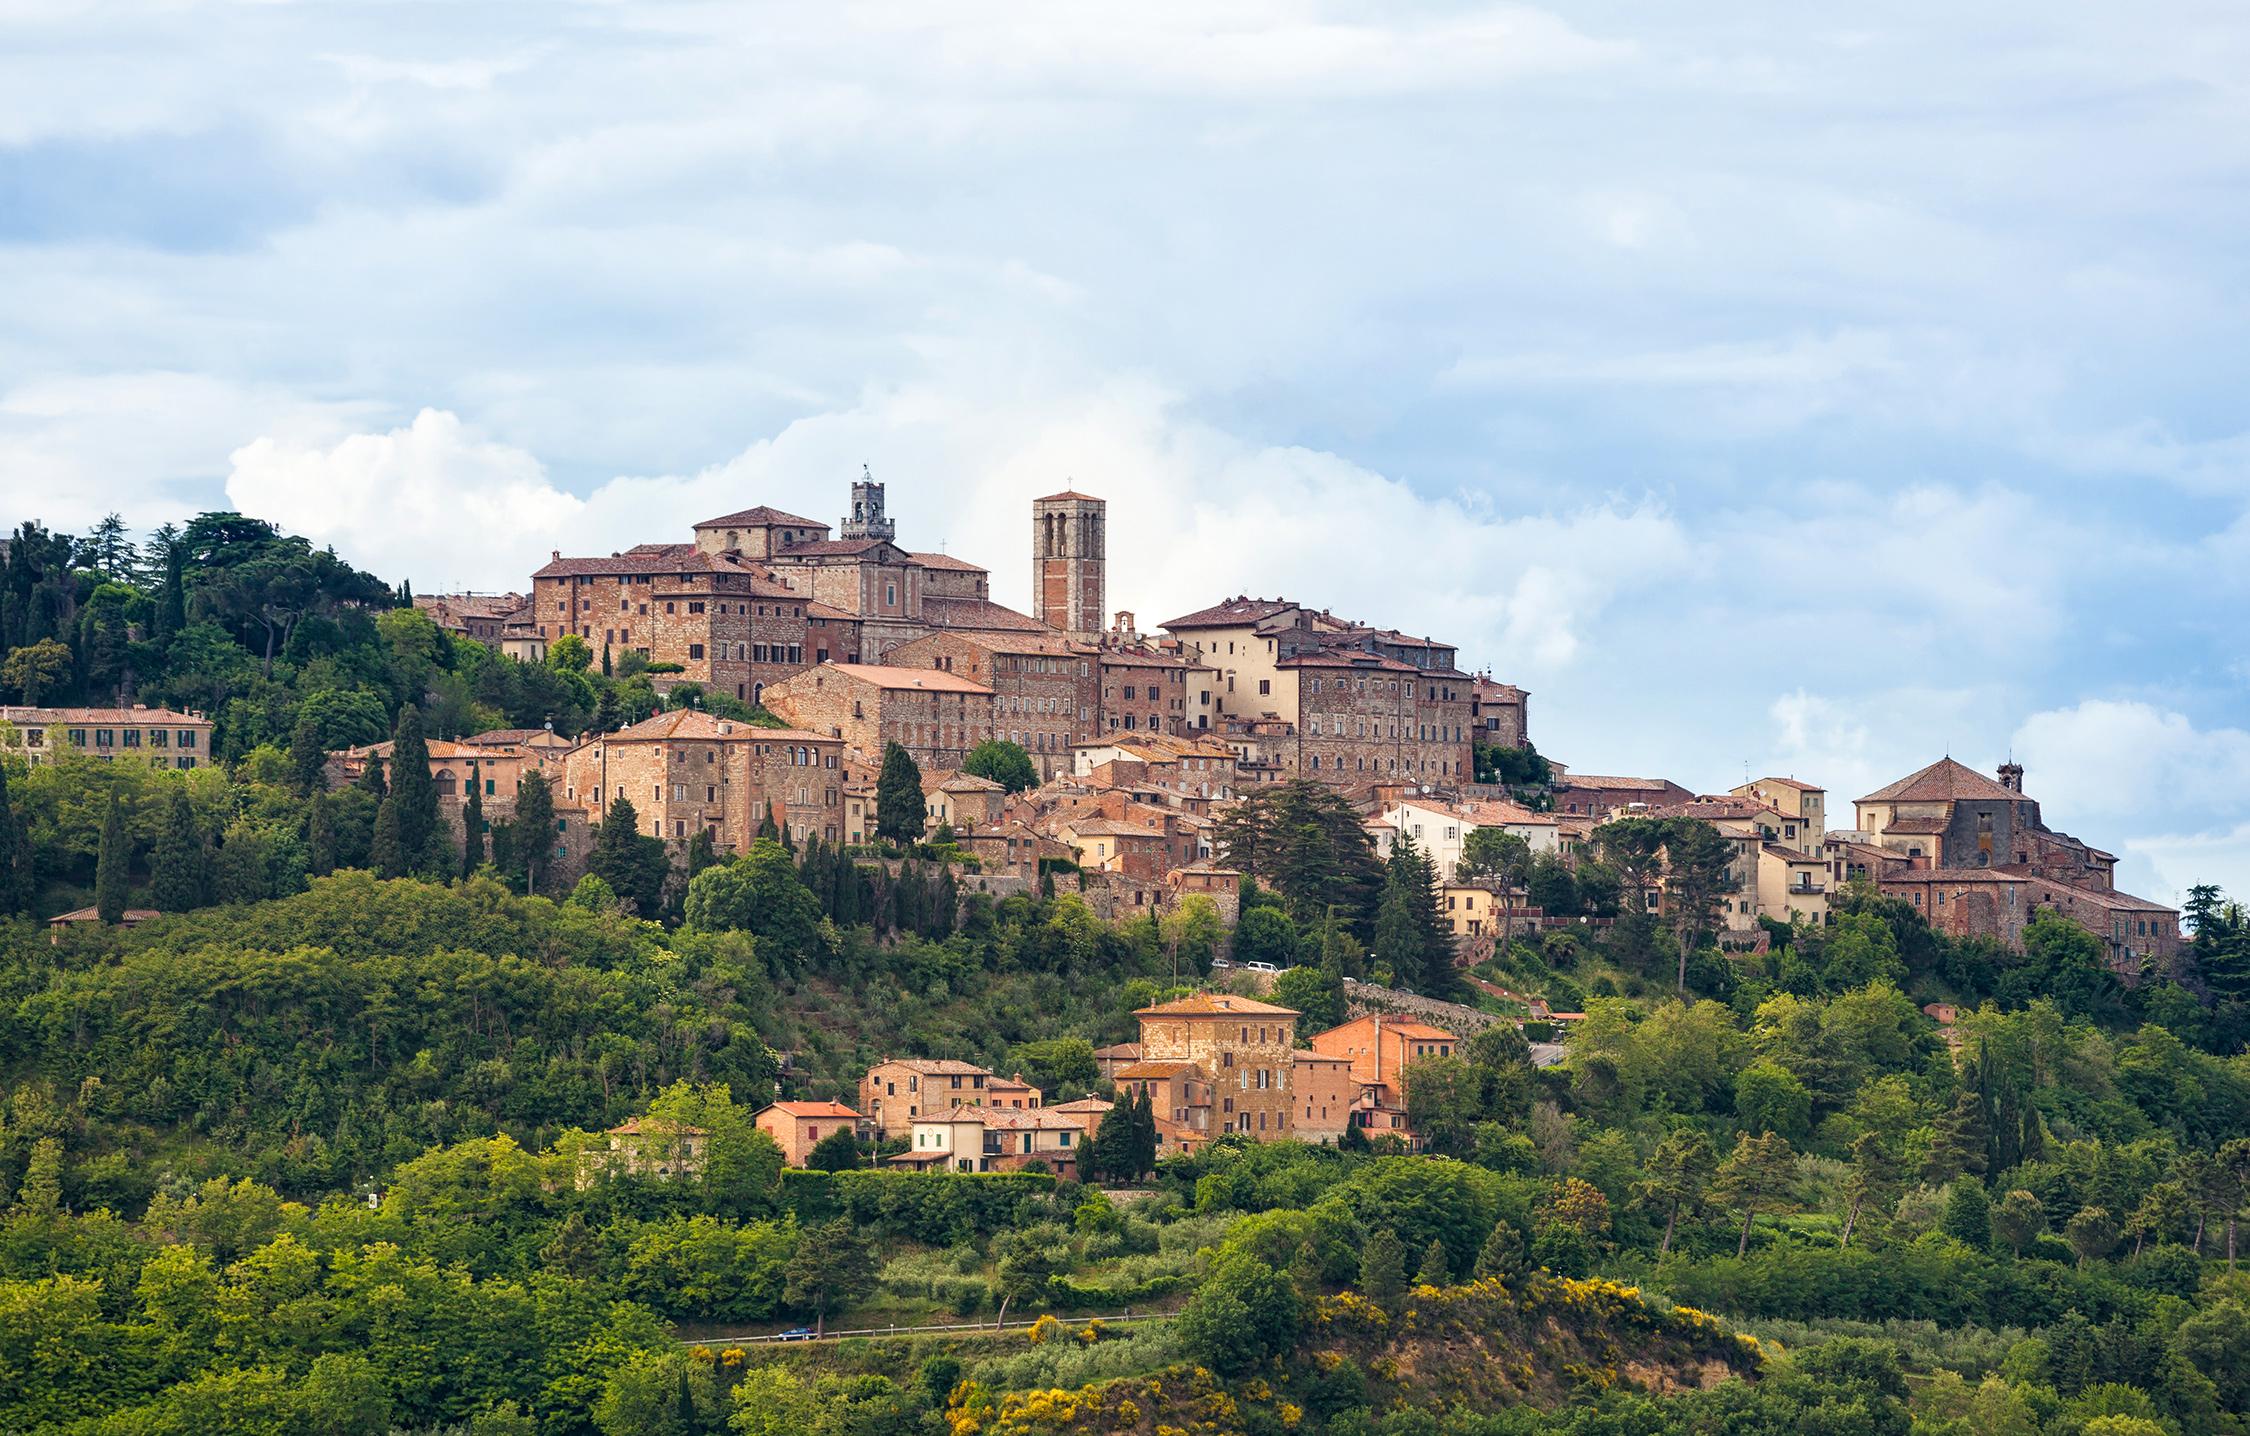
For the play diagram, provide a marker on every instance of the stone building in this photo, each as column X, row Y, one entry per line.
column 1356, row 704
column 1143, row 690
column 481, row 616
column 897, row 1091
column 1380, row 1049
column 1976, row 856
column 687, row 772
column 1042, row 686
column 1600, row 798
column 1499, row 713
column 646, row 1147
column 936, row 716
column 1239, row 1046
column 159, row 737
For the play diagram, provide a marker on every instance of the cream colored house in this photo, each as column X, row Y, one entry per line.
column 1441, row 829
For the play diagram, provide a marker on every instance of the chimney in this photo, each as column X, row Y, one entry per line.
column 2011, row 777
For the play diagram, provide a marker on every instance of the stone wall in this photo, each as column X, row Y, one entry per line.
column 1361, row 998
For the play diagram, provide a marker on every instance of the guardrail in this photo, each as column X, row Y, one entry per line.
column 943, row 1328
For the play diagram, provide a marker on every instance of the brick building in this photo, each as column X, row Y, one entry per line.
column 1240, row 1047
column 1042, row 686
column 798, row 1127
column 936, row 716
column 1069, row 553
column 1324, row 1092
column 687, row 772
column 1143, row 690
column 1380, row 1048
column 481, row 616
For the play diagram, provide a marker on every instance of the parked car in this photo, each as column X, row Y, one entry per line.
column 1261, row 967
column 797, row 1333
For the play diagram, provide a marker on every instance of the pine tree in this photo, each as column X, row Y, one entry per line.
column 111, row 866
column 1437, row 1268
column 1502, row 1252
column 307, row 758
column 320, row 837
column 15, row 865
column 180, row 867
column 901, row 812
column 533, row 836
column 472, row 830
column 1382, row 1269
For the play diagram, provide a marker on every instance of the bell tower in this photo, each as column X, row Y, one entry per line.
column 1069, row 549
column 866, row 520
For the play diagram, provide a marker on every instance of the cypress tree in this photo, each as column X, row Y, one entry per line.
column 307, row 758
column 384, row 854
column 422, row 843
column 901, row 812
column 320, row 838
column 472, row 830
column 607, row 719
column 111, row 865
column 701, row 853
column 1409, row 929
column 15, row 867
column 945, row 901
column 370, row 778
column 1144, row 1135
column 179, row 874
column 534, row 834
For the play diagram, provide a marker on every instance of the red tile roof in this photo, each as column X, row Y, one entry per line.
column 1216, row 1004
column 888, row 676
column 1943, row 781
column 948, row 562
column 758, row 518
column 807, row 1110
column 979, row 614
column 1230, row 613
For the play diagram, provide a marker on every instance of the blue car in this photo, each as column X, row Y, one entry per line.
column 797, row 1333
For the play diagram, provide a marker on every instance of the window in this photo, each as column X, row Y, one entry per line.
column 187, row 740
column 695, row 650
column 1265, row 685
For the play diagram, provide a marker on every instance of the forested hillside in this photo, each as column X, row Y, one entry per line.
column 323, row 1148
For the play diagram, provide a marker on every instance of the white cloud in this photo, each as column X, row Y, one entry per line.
column 2103, row 759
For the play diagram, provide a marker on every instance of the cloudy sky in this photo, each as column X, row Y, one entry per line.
column 1764, row 391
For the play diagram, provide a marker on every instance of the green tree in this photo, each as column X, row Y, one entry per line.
column 632, row 863
column 180, row 862
column 534, row 828
column 1002, row 762
column 1769, row 1098
column 1759, row 1175
column 570, row 654
column 320, row 836
column 1316, row 993
column 761, row 894
column 832, row 1270
column 112, row 869
column 1302, row 840
column 15, row 854
column 1264, row 934
column 1502, row 1254
column 423, row 847
column 1382, row 1269
column 2092, row 1233
column 1436, row 1270
column 2018, row 1220
column 1968, row 1215
column 472, row 829
column 1059, row 1062
column 1410, row 934
column 901, row 812
column 308, row 759
column 1242, row 1316
column 1679, row 1173
column 836, row 1152
column 36, row 669
column 1873, row 1177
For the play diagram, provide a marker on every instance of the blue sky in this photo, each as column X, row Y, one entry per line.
column 1813, row 395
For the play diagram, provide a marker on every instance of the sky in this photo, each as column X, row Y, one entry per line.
column 1766, row 391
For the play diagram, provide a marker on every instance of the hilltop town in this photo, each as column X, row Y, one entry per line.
column 734, row 935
